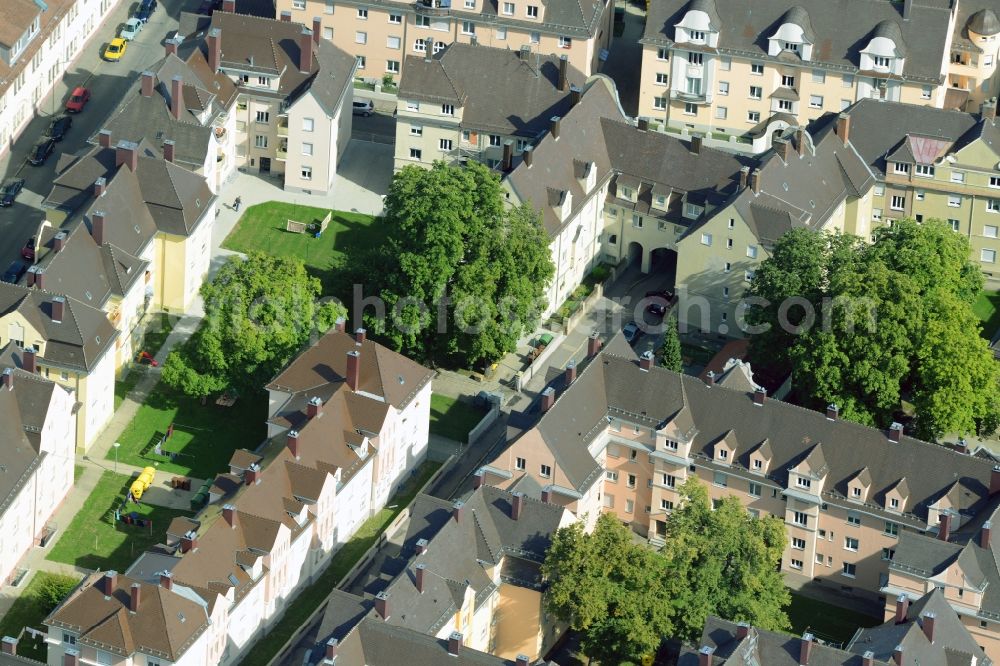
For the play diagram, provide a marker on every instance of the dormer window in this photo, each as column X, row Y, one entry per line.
column 803, row 482
column 881, row 62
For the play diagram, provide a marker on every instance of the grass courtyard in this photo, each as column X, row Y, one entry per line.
column 453, row 418
column 204, row 437
column 262, row 228
column 94, row 540
column 30, row 608
column 987, row 308
column 826, row 621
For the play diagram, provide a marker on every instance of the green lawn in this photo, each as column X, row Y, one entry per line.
column 204, row 438
column 826, row 621
column 310, row 598
column 453, row 418
column 262, row 227
column 94, row 540
column 987, row 308
column 29, row 609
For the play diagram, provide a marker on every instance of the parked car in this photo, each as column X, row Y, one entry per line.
column 115, row 50
column 28, row 251
column 58, row 127
column 131, row 29
column 145, row 11
column 41, row 151
column 632, row 332
column 363, row 107
column 11, row 188
column 78, row 99
column 14, row 272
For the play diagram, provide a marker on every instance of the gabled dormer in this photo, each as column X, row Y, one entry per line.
column 810, row 473
column 794, row 35
column 700, row 25
column 724, row 451
column 760, row 458
column 897, row 496
column 885, row 52
column 859, row 486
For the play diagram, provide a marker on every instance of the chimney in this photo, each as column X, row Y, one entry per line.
column 189, row 542
column 418, row 574
column 148, row 83
column 526, row 156
column 135, row 598
column 989, row 109
column 844, row 127
column 315, row 407
column 695, row 144
column 477, row 479
column 9, row 645
column 521, row 660
column 127, row 153
column 286, row 16
column 570, row 374
column 177, row 97
column 759, row 395
column 554, row 127
column 58, row 309
column 783, row 148
column 548, row 399
column 944, row 525
column 805, row 647
column 170, row 46
column 995, row 480
column 902, row 608
column 421, row 546
column 104, row 138
column 927, row 624
column 293, row 443
column 382, row 605
column 353, row 369
column 456, row 511
column 166, row 580
column 574, row 96
column 546, row 496
column 742, row 630
column 214, row 42
column 907, row 9
column 28, row 360
column 71, row 657
column 454, row 643
column 755, row 181
column 832, row 411
column 984, row 535
column 642, row 124
column 8, row 379
column 710, row 378
column 563, row 73
column 744, row 177
column 646, row 360
column 229, row 513
column 109, row 582
column 868, row 658
column 340, row 325
column 360, row 335
column 229, row 6
column 252, row 476
column 100, row 186
column 305, row 50
column 40, row 279
column 800, row 141
column 168, row 150
column 593, row 344
column 895, row 431
column 508, row 156
column 332, row 648
column 317, row 29
column 516, row 506
column 59, row 241
column 705, row 655
column 897, row 655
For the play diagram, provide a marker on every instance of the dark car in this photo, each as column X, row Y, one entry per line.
column 41, row 151
column 14, row 272
column 58, row 128
column 28, row 251
column 145, row 11
column 11, row 188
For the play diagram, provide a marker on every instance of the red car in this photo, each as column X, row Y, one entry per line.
column 77, row 100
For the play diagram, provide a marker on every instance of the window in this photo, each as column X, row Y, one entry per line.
column 721, row 112
column 723, row 87
column 752, row 251
column 260, row 141
column 815, row 101
column 416, row 130
column 565, row 42
column 307, row 149
column 392, row 42
column 520, row 463
column 361, row 37
column 696, row 58
column 263, row 116
column 957, row 176
column 853, row 518
column 924, row 170
column 850, row 543
column 803, row 482
column 447, row 109
column 532, row 11
column 690, row 109
column 753, row 116
column 756, row 92
column 754, row 489
column 897, row 202
column 663, row 53
column 415, row 153
column 798, row 544
column 925, row 92
column 720, row 479
column 787, row 81
column 818, row 76
column 307, row 173
column 545, row 471
column 396, row 19
column 508, row 8
column 631, row 481
column 784, row 105
column 661, row 78
column 468, row 28
column 954, row 200
column 362, row 13
column 757, row 68
column 988, row 256
column 444, row 144
column 800, row 518
column 706, row 239
column 659, row 103
column 849, row 570
column 847, row 81
column 795, row 564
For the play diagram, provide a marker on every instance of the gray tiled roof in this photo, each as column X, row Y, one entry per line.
column 842, row 28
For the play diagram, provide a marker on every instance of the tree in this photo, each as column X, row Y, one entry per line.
column 872, row 325
column 461, row 275
column 670, row 350
column 259, row 312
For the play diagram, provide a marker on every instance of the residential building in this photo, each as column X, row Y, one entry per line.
column 924, row 632
column 352, row 419
column 469, row 102
column 382, row 34
column 36, row 446
column 39, row 42
column 727, row 68
column 623, row 435
column 66, row 341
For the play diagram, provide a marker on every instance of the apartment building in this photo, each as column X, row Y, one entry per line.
column 382, row 34
column 64, row 340
column 728, row 68
column 36, row 446
column 922, row 632
column 470, row 102
column 623, row 435
column 39, row 42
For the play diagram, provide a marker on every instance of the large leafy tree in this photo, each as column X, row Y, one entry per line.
column 880, row 323
column 462, row 274
column 259, row 312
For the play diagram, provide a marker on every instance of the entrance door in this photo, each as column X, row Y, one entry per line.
column 265, row 165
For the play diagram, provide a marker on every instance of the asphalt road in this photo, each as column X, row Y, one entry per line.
column 108, row 83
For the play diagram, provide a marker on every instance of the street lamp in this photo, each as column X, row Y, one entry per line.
column 116, row 445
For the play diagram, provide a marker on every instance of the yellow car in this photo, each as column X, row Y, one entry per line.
column 115, row 50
